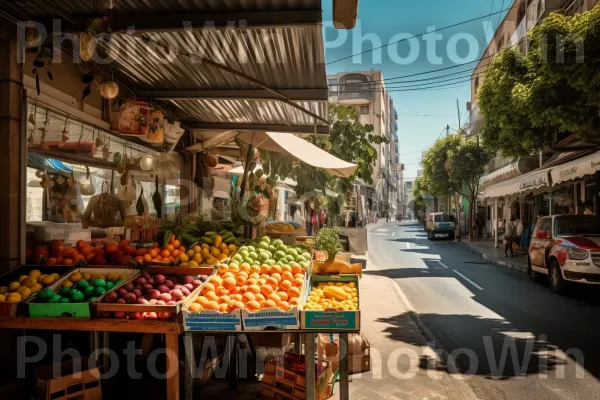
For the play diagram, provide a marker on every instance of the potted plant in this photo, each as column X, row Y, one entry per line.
column 328, row 240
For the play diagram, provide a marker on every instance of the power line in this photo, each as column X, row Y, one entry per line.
column 491, row 9
column 421, row 34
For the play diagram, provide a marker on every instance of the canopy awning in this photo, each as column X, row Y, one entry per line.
column 530, row 183
column 576, row 169
column 300, row 149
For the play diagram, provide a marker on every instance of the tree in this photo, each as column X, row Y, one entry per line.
column 455, row 164
column 348, row 140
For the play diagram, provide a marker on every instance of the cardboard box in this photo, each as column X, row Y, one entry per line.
column 211, row 320
column 359, row 353
column 271, row 319
column 288, row 381
column 71, row 383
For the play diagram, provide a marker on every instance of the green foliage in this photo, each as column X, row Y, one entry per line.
column 528, row 100
column 328, row 239
column 435, row 166
column 348, row 140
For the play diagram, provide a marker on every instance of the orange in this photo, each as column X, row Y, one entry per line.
column 284, row 306
column 158, row 258
column 217, row 281
column 296, row 269
column 286, row 268
column 237, row 297
column 245, row 267
column 195, row 307
column 208, row 287
column 165, row 253
column 264, row 276
column 141, row 252
column 273, row 282
column 255, row 269
column 283, row 296
column 240, row 280
column 243, row 289
column 298, row 282
column 48, row 280
column 139, row 259
column 253, row 306
column 293, row 301
column 262, row 282
column 224, row 308
column 181, row 250
column 68, row 261
column 81, row 243
column 276, row 269
column 266, row 290
column 176, row 244
column 277, row 276
column 222, row 291
column 224, row 300
column 259, row 297
column 293, row 292
column 300, row 276
column 254, row 289
column 169, row 248
column 264, row 269
column 229, row 283
column 237, row 305
column 251, row 281
column 274, row 297
column 223, row 268
column 285, row 285
column 255, row 275
column 51, row 261
column 175, row 253
column 248, row 296
column 154, row 253
column 287, row 276
column 212, row 296
column 147, row 257
column 234, row 268
column 203, row 301
column 155, row 245
column 212, row 305
column 243, row 273
column 269, row 304
column 228, row 275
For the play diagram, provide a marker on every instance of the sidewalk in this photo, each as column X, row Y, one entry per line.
column 486, row 249
column 380, row 222
column 402, row 365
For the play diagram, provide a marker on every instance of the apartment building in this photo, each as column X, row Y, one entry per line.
column 365, row 90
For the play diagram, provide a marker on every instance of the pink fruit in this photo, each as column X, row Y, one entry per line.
column 165, row 297
column 189, row 286
column 164, row 315
column 147, row 288
column 176, row 294
column 154, row 294
column 188, row 279
column 196, row 283
column 169, row 284
column 137, row 287
column 177, row 287
column 121, row 301
column 120, row 314
column 152, row 301
column 129, row 287
column 150, row 315
column 164, row 289
column 137, row 292
column 171, row 303
column 111, row 297
column 140, row 281
column 130, row 298
column 150, row 282
column 146, row 275
column 161, row 303
column 159, row 279
column 136, row 315
column 121, row 292
column 141, row 300
column 185, row 291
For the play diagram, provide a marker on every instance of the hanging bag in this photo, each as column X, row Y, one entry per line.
column 103, row 210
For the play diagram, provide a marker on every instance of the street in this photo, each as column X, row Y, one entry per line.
column 484, row 315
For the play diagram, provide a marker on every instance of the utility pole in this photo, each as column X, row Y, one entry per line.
column 447, row 130
column 458, row 110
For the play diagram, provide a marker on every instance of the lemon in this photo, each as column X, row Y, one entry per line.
column 2, row 298
column 36, row 288
column 75, row 277
column 13, row 286
column 55, row 275
column 13, row 298
column 197, row 258
column 21, row 278
column 86, row 276
column 197, row 249
column 184, row 264
column 184, row 258
column 24, row 292
column 35, row 273
column 67, row 284
column 3, row 289
column 29, row 282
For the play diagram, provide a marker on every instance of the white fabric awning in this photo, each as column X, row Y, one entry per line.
column 576, row 169
column 301, row 149
column 529, row 183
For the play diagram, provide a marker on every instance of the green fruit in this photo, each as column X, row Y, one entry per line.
column 248, row 260
column 244, row 253
column 263, row 245
column 207, row 240
column 109, row 285
column 270, row 261
column 283, row 248
column 82, row 284
column 46, row 294
column 243, row 248
column 99, row 291
column 272, row 248
column 279, row 255
column 277, row 242
column 99, row 283
column 251, row 248
column 280, row 263
column 262, row 257
column 92, row 299
column 306, row 255
column 293, row 252
column 77, row 296
column 64, row 291
column 55, row 298
column 253, row 255
column 265, row 239
column 88, row 291
column 294, row 264
column 210, row 233
column 290, row 258
column 238, row 258
column 65, row 300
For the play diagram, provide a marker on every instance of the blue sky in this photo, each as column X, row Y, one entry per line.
column 385, row 18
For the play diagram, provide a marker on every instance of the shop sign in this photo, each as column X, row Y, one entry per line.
column 534, row 183
column 503, row 174
column 568, row 173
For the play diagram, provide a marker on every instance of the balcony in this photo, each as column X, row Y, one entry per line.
column 539, row 9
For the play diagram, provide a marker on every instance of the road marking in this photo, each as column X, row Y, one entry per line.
column 442, row 264
column 378, row 234
column 467, row 279
column 394, row 233
column 382, row 230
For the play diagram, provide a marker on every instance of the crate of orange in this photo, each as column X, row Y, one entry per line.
column 163, row 256
column 267, row 296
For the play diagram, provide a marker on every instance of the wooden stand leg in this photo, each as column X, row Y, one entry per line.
column 172, row 348
column 190, row 365
column 344, row 390
column 232, row 350
column 309, row 354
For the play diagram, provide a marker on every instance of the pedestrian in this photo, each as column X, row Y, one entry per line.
column 589, row 208
column 509, row 235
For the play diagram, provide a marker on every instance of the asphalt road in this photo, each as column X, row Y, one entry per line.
column 479, row 311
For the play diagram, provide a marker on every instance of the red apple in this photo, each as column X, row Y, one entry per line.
column 188, row 279
column 150, row 282
column 176, row 294
column 140, row 281
column 121, row 301
column 171, row 303
column 165, row 297
column 120, row 314
column 121, row 292
column 196, row 283
column 147, row 288
column 136, row 315
column 159, row 279
column 164, row 315
column 130, row 298
column 164, row 289
column 152, row 301
column 129, row 287
column 189, row 286
column 185, row 291
column 161, row 303
column 141, row 300
column 146, row 275
column 111, row 297
column 169, row 284
column 154, row 294
column 137, row 292
column 150, row 315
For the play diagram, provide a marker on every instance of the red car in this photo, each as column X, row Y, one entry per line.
column 566, row 248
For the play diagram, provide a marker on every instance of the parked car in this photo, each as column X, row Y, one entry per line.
column 440, row 224
column 566, row 248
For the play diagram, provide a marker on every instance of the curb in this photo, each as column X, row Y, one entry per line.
column 506, row 264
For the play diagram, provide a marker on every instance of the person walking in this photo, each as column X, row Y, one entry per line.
column 509, row 235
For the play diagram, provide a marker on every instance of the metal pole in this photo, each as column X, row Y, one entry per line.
column 495, row 222
column 309, row 363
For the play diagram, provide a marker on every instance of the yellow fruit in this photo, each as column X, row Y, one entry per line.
column 48, row 280
column 197, row 258
column 2, row 298
column 218, row 240
column 67, row 284
column 13, row 286
column 42, row 276
column 212, row 261
column 35, row 273
column 13, row 298
column 55, row 275
column 222, row 246
column 205, row 252
column 3, row 289
column 215, row 252
column 24, row 292
column 21, row 278
column 122, row 277
column 86, row 276
column 192, row 264
column 205, row 246
column 190, row 253
column 184, row 258
column 197, row 249
column 225, row 252
column 232, row 248
column 75, row 277
column 222, row 257
column 36, row 288
column 29, row 282
column 184, row 264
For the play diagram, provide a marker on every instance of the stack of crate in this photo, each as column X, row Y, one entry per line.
column 284, row 379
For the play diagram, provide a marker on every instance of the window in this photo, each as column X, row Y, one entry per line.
column 364, row 110
column 333, row 84
column 546, row 225
column 476, row 85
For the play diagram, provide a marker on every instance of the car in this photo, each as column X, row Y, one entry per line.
column 440, row 224
column 566, row 248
